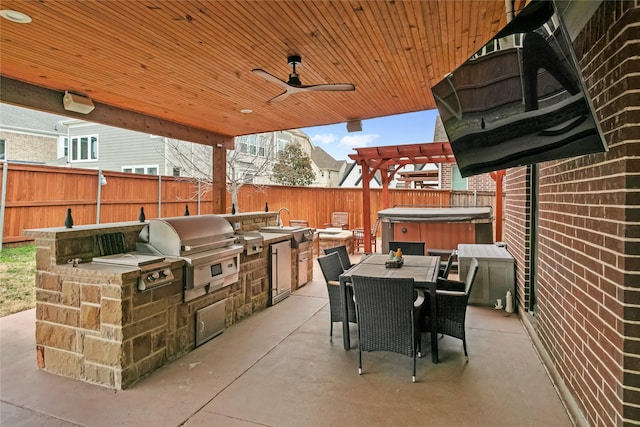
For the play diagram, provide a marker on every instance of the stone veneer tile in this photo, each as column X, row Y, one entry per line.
column 48, row 281
column 63, row 362
column 147, row 310
column 43, row 258
column 141, row 347
column 70, row 293
column 55, row 313
column 90, row 316
column 102, row 351
column 111, row 332
column 99, row 374
column 90, row 293
column 47, row 296
column 158, row 341
column 111, row 311
column 58, row 336
column 148, row 324
column 111, row 291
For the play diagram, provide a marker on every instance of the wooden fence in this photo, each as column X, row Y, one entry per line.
column 38, row 197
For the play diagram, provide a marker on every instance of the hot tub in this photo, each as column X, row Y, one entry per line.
column 439, row 228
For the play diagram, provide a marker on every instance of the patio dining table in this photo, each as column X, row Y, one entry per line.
column 424, row 271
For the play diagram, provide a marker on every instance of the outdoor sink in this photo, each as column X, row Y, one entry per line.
column 300, row 235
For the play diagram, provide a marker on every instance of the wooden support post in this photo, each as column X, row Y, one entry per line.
column 366, row 206
column 498, row 177
column 219, row 179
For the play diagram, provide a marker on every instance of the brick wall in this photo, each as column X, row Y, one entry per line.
column 588, row 280
column 517, row 231
column 33, row 148
column 482, row 182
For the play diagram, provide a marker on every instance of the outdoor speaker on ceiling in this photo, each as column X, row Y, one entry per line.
column 354, row 126
column 77, row 103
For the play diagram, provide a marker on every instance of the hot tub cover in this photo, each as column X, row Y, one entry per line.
column 477, row 214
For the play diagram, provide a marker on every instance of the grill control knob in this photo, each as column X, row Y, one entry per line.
column 155, row 275
column 166, row 272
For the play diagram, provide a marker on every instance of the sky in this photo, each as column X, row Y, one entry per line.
column 410, row 128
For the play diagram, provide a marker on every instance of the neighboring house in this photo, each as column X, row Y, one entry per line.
column 353, row 178
column 449, row 177
column 30, row 136
column 97, row 146
column 328, row 171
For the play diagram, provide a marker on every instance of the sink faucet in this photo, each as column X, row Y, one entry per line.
column 279, row 218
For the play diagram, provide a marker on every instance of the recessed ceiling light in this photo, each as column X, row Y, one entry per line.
column 15, row 16
column 246, row 111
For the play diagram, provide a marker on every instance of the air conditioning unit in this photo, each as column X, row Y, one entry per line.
column 77, row 103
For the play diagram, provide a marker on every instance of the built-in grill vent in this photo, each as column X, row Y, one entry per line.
column 111, row 244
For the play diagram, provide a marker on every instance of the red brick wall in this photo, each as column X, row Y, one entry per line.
column 517, row 232
column 482, row 182
column 588, row 274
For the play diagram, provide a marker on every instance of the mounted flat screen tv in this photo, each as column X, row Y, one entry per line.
column 520, row 99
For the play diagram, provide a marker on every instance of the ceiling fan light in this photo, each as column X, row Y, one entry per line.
column 294, row 79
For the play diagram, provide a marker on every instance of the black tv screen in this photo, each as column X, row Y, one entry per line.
column 520, row 99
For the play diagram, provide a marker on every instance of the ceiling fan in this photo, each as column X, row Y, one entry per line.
column 294, row 85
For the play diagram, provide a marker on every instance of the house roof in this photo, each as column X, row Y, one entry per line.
column 183, row 69
column 17, row 118
column 323, row 160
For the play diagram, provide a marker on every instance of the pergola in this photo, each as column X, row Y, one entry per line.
column 388, row 160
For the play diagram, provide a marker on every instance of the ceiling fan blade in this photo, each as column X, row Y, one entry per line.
column 270, row 77
column 280, row 97
column 333, row 87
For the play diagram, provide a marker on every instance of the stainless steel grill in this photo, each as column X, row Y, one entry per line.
column 205, row 242
column 154, row 270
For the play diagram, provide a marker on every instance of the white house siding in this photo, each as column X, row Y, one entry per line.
column 119, row 147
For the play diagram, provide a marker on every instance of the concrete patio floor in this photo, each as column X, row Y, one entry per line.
column 278, row 368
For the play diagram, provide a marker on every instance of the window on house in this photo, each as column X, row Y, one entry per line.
column 176, row 171
column 2, row 150
column 142, row 169
column 63, row 146
column 84, row 148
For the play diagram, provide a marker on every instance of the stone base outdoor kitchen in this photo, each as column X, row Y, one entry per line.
column 92, row 322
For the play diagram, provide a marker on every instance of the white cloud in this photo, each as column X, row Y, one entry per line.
column 358, row 141
column 323, row 138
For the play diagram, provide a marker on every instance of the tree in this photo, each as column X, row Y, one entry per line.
column 293, row 167
column 249, row 161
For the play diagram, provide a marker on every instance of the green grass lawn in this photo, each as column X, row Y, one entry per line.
column 17, row 279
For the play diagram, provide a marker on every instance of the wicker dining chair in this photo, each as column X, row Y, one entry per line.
column 331, row 270
column 452, row 297
column 385, row 316
column 342, row 254
column 408, row 248
column 358, row 236
column 444, row 270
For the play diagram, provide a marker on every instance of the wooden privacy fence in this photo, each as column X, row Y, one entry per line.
column 36, row 196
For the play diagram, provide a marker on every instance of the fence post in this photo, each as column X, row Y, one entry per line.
column 5, row 168
column 159, row 196
column 99, row 198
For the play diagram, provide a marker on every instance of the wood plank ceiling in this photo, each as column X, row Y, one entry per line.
column 190, row 62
